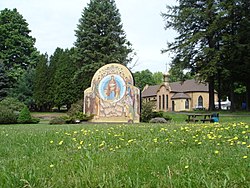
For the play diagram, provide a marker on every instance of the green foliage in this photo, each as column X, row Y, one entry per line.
column 75, row 113
column 7, row 115
column 177, row 73
column 158, row 78
column 12, row 104
column 58, row 120
column 161, row 114
column 142, row 78
column 63, row 88
column 41, row 84
column 16, row 45
column 25, row 117
column 82, row 117
column 3, row 81
column 147, row 111
column 24, row 88
column 100, row 40
column 75, row 108
column 213, row 41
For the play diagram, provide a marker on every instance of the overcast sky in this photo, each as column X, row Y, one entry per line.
column 53, row 24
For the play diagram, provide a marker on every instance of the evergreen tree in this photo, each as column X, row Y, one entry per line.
column 100, row 40
column 54, row 64
column 64, row 90
column 16, row 45
column 3, row 81
column 41, row 84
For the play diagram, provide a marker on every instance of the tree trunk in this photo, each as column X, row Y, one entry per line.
column 232, row 98
column 248, row 96
column 211, row 94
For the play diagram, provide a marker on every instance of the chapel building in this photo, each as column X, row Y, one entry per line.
column 178, row 96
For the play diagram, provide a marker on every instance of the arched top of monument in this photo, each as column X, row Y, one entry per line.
column 113, row 69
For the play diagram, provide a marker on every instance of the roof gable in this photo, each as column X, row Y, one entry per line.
column 150, row 91
column 188, row 86
column 177, row 87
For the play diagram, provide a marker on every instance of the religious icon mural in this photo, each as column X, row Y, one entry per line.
column 112, row 96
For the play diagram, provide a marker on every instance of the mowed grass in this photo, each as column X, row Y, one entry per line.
column 125, row 155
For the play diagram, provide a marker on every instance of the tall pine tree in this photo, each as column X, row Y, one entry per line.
column 63, row 87
column 100, row 40
column 3, row 81
column 41, row 84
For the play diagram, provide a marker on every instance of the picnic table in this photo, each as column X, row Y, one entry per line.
column 199, row 117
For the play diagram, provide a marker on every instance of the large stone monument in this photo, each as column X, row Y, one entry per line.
column 112, row 96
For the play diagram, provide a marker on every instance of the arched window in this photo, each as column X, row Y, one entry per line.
column 167, row 102
column 163, row 102
column 200, row 101
column 159, row 102
column 187, row 104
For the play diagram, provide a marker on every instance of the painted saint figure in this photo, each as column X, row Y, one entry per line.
column 112, row 90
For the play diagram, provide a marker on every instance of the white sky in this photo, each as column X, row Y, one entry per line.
column 53, row 24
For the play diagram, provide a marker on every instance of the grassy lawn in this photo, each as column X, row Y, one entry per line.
column 127, row 155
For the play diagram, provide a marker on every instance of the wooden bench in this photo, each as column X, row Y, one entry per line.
column 204, row 120
column 199, row 117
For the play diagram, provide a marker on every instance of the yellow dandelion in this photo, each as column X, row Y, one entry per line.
column 155, row 140
column 186, row 166
column 81, row 142
column 131, row 140
column 79, row 147
column 244, row 157
column 243, row 143
column 216, row 151
column 74, row 139
column 248, row 146
column 236, row 138
column 244, row 132
column 61, row 142
column 51, row 141
column 199, row 143
column 102, row 144
column 51, row 166
column 246, row 126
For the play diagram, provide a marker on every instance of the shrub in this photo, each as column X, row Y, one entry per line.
column 25, row 117
column 146, row 111
column 75, row 108
column 12, row 104
column 57, row 120
column 7, row 116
